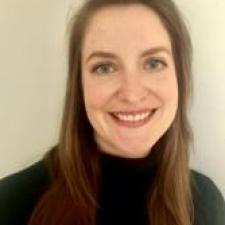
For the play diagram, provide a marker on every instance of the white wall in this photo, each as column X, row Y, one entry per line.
column 206, row 21
column 33, row 73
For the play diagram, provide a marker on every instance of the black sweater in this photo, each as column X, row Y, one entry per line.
column 123, row 193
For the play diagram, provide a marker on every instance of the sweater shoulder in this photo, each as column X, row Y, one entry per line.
column 20, row 191
column 208, row 200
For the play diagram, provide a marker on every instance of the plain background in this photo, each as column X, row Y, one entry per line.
column 33, row 74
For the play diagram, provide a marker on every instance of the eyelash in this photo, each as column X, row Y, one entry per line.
column 94, row 68
column 159, row 61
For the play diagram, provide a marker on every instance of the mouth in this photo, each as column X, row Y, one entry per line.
column 133, row 119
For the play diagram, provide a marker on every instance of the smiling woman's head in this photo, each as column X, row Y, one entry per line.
column 128, row 89
column 129, row 84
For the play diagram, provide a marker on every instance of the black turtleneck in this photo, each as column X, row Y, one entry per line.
column 125, row 185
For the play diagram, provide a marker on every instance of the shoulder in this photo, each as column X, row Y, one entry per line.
column 208, row 200
column 19, row 192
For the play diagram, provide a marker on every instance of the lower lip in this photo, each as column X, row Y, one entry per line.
column 133, row 124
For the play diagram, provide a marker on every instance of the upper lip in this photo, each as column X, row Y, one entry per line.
column 135, row 111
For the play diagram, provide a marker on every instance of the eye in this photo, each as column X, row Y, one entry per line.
column 155, row 64
column 103, row 68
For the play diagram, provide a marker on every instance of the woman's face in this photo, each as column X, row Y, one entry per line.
column 129, row 79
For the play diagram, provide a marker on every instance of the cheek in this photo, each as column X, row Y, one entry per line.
column 171, row 95
column 168, row 91
column 95, row 96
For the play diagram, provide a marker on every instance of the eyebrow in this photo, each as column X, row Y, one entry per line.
column 151, row 51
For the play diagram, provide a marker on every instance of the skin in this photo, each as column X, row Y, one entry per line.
column 128, row 81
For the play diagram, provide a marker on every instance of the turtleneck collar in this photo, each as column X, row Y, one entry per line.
column 125, row 186
column 121, row 166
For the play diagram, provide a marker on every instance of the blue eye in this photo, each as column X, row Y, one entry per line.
column 103, row 68
column 155, row 64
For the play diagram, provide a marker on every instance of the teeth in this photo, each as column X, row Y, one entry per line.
column 137, row 117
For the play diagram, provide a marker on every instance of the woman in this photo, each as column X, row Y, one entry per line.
column 124, row 146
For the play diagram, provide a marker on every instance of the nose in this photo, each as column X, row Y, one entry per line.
column 132, row 89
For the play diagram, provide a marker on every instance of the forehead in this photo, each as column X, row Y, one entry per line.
column 122, row 28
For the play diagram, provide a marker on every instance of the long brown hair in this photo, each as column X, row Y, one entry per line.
column 72, row 196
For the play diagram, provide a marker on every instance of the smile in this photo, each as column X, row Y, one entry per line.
column 132, row 120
